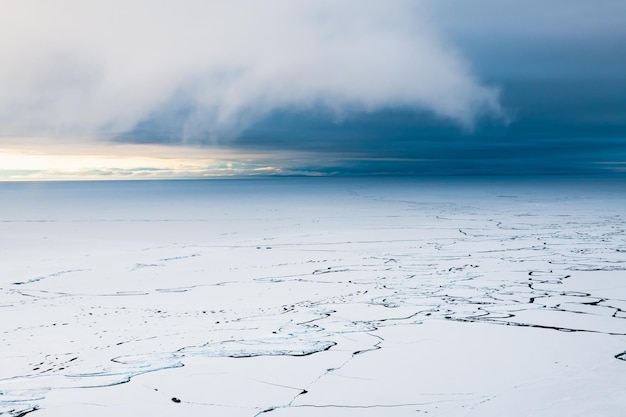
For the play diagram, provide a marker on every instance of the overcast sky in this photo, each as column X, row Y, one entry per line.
column 361, row 86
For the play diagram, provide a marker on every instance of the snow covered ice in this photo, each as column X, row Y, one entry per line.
column 313, row 297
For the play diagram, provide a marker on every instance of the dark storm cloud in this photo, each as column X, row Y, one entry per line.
column 560, row 67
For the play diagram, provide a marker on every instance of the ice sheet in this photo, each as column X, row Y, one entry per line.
column 300, row 297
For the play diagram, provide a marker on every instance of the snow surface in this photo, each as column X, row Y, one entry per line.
column 313, row 297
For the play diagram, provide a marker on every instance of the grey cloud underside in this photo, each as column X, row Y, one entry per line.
column 557, row 127
column 559, row 69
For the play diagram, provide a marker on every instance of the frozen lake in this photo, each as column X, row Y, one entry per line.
column 313, row 297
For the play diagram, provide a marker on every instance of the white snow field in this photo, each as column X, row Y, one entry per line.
column 313, row 297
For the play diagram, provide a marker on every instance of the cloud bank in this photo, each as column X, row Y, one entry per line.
column 87, row 67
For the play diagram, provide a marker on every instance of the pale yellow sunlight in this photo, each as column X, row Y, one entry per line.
column 106, row 161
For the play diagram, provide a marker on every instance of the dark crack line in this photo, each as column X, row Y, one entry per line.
column 538, row 326
column 54, row 275
column 356, row 406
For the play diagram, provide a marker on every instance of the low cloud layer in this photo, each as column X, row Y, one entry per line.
column 83, row 67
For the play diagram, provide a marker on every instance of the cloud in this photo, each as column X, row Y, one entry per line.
column 212, row 68
column 522, row 39
column 532, row 19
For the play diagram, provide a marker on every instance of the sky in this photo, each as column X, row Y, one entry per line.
column 195, row 89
